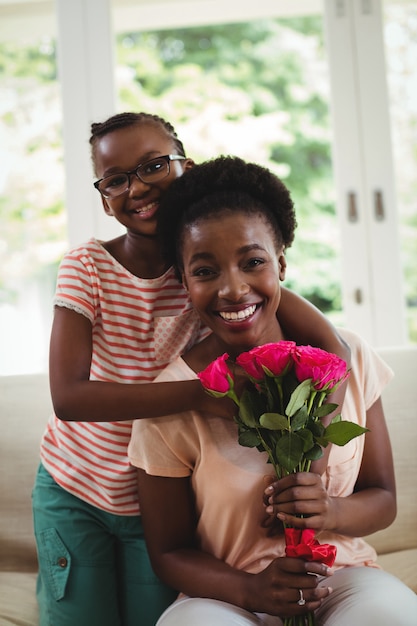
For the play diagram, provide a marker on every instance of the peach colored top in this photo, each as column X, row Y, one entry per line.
column 228, row 480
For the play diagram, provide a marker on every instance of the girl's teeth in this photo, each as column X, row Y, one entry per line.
column 146, row 208
column 233, row 316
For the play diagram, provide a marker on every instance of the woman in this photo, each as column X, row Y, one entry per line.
column 202, row 493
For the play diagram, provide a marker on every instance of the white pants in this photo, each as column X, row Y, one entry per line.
column 362, row 596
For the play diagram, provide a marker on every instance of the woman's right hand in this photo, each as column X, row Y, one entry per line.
column 276, row 590
column 300, row 500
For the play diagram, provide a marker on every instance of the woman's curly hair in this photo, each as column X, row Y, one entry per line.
column 225, row 183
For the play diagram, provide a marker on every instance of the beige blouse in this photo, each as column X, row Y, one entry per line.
column 229, row 480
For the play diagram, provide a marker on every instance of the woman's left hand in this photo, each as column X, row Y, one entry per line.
column 300, row 500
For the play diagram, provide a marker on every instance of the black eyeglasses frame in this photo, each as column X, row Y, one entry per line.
column 167, row 157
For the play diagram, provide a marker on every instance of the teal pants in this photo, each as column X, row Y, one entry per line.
column 94, row 568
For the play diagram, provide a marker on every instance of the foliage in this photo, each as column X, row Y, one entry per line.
column 32, row 217
column 23, row 61
column 257, row 90
column 281, row 408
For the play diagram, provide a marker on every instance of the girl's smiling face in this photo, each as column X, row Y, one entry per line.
column 232, row 268
column 124, row 149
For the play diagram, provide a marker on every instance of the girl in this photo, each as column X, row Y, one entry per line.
column 232, row 223
column 120, row 317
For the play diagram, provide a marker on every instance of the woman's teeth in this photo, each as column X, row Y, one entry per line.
column 238, row 316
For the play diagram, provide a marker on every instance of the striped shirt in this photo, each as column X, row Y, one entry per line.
column 138, row 327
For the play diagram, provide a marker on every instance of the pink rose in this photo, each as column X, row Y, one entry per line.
column 324, row 368
column 217, row 376
column 273, row 357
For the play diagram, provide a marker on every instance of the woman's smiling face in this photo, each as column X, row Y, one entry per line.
column 232, row 270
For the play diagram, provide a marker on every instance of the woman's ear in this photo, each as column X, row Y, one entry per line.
column 282, row 262
column 184, row 281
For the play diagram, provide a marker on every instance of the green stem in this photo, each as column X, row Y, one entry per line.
column 268, row 450
column 323, row 396
column 281, row 395
column 310, row 402
column 308, row 619
column 232, row 395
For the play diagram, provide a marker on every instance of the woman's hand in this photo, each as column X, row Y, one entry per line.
column 276, row 590
column 300, row 500
column 370, row 507
column 178, row 561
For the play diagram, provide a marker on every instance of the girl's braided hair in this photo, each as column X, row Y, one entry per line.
column 129, row 118
column 226, row 183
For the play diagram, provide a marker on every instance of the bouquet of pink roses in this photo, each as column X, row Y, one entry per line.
column 280, row 412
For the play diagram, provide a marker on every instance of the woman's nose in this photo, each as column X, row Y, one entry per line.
column 233, row 287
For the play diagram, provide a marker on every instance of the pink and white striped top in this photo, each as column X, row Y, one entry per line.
column 139, row 326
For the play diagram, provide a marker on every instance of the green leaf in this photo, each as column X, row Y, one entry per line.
column 325, row 409
column 317, row 428
column 248, row 410
column 216, row 394
column 307, row 437
column 341, row 432
column 314, row 454
column 273, row 421
column 249, row 438
column 298, row 397
column 288, row 383
column 289, row 451
column 322, row 442
column 300, row 419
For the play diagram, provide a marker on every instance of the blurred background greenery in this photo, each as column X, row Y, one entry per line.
column 259, row 90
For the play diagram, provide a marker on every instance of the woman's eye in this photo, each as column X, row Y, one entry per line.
column 203, row 272
column 255, row 262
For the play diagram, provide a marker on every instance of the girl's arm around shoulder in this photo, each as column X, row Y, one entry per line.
column 178, row 561
column 77, row 398
column 306, row 325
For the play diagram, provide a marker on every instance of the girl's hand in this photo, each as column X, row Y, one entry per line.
column 300, row 500
column 222, row 407
column 275, row 590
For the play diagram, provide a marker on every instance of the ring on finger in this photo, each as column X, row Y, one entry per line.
column 301, row 601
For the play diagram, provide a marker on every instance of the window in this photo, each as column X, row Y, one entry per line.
column 33, row 221
column 286, row 119
column 259, row 90
column 400, row 39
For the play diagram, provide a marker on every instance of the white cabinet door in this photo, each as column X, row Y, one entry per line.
column 372, row 280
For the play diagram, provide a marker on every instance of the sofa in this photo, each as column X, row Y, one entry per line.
column 24, row 407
